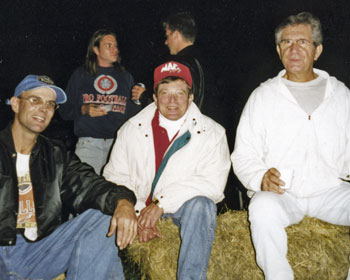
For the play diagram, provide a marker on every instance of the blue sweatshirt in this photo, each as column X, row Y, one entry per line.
column 109, row 87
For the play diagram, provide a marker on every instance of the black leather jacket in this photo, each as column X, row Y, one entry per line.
column 187, row 57
column 59, row 178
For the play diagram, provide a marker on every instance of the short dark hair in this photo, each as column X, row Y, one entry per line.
column 182, row 22
column 170, row 79
column 301, row 18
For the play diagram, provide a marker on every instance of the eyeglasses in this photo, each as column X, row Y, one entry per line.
column 303, row 43
column 37, row 101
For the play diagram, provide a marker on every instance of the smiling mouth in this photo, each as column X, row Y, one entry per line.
column 39, row 119
column 172, row 108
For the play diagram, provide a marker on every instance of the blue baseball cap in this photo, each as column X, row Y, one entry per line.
column 35, row 81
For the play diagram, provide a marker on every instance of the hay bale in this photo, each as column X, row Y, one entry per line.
column 60, row 277
column 233, row 256
column 316, row 250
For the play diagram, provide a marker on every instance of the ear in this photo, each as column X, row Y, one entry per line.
column 155, row 98
column 190, row 98
column 278, row 49
column 177, row 34
column 96, row 51
column 318, row 51
column 14, row 104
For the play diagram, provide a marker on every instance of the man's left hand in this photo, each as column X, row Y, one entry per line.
column 147, row 234
column 123, row 221
column 149, row 216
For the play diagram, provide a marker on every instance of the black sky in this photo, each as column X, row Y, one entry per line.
column 235, row 38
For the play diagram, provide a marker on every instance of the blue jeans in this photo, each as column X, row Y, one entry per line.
column 94, row 151
column 196, row 219
column 79, row 246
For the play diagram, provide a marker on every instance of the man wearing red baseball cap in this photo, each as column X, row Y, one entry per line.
column 176, row 160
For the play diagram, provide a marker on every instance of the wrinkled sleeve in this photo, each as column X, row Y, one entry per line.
column 84, row 189
column 247, row 157
column 117, row 169
column 346, row 170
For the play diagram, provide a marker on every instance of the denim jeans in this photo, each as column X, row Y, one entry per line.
column 79, row 246
column 94, row 151
column 196, row 219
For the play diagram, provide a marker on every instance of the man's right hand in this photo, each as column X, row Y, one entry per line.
column 93, row 110
column 124, row 222
column 136, row 92
column 271, row 181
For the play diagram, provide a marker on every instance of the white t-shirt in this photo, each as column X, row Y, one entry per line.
column 309, row 95
column 26, row 208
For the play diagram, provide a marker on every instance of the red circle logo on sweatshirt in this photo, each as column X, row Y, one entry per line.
column 105, row 84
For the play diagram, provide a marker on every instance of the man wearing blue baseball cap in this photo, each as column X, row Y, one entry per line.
column 38, row 178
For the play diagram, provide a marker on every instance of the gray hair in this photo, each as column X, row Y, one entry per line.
column 301, row 18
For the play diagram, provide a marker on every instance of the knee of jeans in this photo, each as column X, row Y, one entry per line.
column 202, row 204
column 264, row 206
column 101, row 220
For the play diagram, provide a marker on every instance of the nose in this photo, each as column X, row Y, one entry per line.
column 115, row 49
column 294, row 45
column 172, row 98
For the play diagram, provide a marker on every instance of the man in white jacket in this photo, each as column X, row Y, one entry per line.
column 176, row 161
column 292, row 147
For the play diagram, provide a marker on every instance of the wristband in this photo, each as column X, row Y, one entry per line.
column 155, row 201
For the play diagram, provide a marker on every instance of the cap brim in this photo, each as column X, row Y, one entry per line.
column 61, row 96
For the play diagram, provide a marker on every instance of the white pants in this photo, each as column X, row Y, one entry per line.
column 271, row 213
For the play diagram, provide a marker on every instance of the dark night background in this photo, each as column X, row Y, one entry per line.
column 236, row 42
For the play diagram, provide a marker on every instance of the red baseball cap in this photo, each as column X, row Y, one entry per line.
column 172, row 69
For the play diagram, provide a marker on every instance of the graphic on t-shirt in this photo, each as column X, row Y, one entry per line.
column 105, row 84
column 26, row 210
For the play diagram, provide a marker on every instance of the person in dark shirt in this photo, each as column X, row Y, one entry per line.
column 99, row 99
column 180, row 31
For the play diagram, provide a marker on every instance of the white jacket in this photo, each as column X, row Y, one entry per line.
column 274, row 131
column 200, row 168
